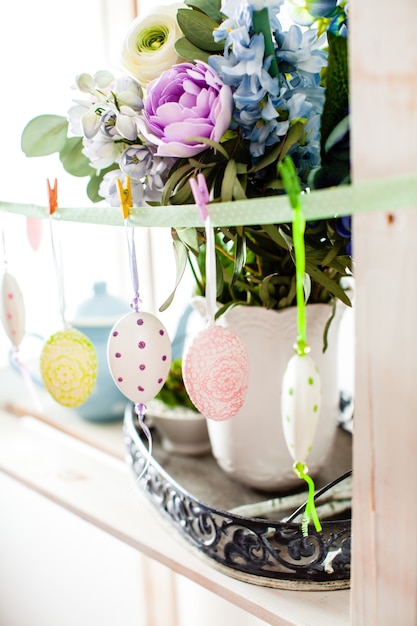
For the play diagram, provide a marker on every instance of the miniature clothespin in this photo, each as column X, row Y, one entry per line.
column 125, row 196
column 52, row 196
column 201, row 195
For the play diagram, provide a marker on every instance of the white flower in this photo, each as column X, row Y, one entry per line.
column 148, row 49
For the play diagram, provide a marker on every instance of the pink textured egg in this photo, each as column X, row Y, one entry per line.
column 216, row 372
column 139, row 355
column 12, row 309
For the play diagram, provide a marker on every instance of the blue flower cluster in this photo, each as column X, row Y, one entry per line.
column 266, row 107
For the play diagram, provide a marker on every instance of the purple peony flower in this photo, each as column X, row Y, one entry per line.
column 186, row 101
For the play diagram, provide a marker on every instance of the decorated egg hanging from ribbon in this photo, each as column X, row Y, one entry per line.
column 12, row 309
column 139, row 355
column 68, row 366
column 216, row 372
column 300, row 405
column 216, row 364
column 68, row 361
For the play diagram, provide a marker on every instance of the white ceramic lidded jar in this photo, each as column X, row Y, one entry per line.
column 95, row 318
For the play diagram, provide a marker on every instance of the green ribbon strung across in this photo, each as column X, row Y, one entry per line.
column 383, row 195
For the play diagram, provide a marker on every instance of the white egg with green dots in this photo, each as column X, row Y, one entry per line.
column 300, row 405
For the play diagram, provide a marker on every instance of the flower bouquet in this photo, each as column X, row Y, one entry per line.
column 222, row 89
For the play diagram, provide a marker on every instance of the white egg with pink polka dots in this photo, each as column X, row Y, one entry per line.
column 12, row 309
column 139, row 355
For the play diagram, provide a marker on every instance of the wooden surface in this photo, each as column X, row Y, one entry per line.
column 383, row 51
column 97, row 486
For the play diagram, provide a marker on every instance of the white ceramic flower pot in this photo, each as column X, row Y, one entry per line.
column 250, row 446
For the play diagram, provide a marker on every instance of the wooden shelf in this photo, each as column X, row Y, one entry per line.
column 79, row 466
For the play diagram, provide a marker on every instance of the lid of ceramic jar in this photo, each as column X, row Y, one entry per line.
column 102, row 309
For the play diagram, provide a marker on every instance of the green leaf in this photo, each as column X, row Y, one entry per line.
column 293, row 136
column 181, row 257
column 209, row 142
column 189, row 51
column 95, row 181
column 337, row 134
column 281, row 149
column 44, row 135
column 210, row 7
column 228, row 181
column 198, row 28
column 336, row 101
column 267, row 291
column 189, row 238
column 178, row 176
column 240, row 256
column 330, row 285
column 72, row 158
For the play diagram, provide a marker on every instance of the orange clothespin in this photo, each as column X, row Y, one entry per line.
column 125, row 196
column 52, row 196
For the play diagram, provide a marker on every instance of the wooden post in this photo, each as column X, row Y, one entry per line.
column 383, row 58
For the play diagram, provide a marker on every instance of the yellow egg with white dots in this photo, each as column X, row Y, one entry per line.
column 300, row 405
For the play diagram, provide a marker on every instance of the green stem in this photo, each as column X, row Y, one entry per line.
column 261, row 25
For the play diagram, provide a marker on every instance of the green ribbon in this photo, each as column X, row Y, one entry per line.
column 310, row 512
column 293, row 189
column 385, row 195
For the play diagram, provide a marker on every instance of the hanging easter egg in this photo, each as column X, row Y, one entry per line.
column 12, row 309
column 34, row 232
column 68, row 366
column 216, row 372
column 300, row 405
column 139, row 355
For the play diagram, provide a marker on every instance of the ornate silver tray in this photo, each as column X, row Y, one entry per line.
column 255, row 549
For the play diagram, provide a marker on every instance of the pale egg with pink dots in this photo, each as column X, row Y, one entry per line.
column 12, row 309
column 139, row 355
column 216, row 372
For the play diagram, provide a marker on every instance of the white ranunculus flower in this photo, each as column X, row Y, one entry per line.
column 148, row 49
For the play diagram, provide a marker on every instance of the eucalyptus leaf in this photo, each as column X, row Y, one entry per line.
column 210, row 7
column 72, row 158
column 198, row 28
column 44, row 135
column 189, row 51
column 95, row 182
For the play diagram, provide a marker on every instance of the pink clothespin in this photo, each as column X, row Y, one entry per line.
column 201, row 195
column 52, row 196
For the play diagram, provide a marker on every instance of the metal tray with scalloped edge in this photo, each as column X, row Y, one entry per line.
column 243, row 534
